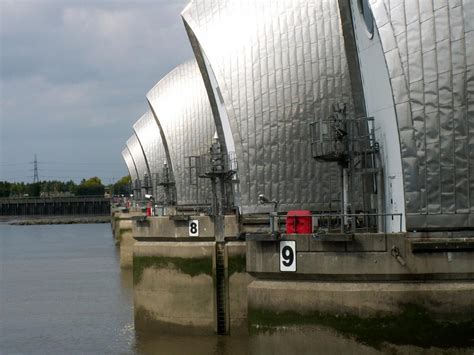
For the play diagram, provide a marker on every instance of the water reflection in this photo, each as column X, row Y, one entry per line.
column 61, row 291
column 306, row 340
column 284, row 341
column 170, row 344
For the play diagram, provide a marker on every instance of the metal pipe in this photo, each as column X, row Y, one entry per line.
column 381, row 220
column 345, row 198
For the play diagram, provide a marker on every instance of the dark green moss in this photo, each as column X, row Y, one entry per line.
column 189, row 266
column 121, row 233
column 414, row 326
column 235, row 264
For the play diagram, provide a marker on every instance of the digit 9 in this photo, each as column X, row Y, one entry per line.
column 287, row 255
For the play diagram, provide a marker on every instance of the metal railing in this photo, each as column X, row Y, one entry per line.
column 335, row 138
column 327, row 223
column 216, row 163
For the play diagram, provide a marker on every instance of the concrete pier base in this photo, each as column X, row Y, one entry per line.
column 373, row 287
column 238, row 281
column 369, row 257
column 422, row 314
column 173, row 286
column 363, row 299
column 175, row 290
column 122, row 223
column 126, row 248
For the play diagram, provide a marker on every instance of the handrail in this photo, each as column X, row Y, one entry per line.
column 329, row 217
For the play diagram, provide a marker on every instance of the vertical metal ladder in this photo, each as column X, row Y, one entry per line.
column 221, row 290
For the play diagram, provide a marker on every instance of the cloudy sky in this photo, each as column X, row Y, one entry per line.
column 74, row 74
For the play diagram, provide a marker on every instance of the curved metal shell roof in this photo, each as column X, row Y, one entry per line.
column 271, row 67
column 275, row 67
column 181, row 107
column 148, row 133
column 138, row 157
column 429, row 53
column 130, row 164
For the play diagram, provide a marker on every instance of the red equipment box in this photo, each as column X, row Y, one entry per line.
column 299, row 222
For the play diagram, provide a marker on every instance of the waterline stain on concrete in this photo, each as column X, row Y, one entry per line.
column 413, row 326
column 236, row 264
column 121, row 233
column 147, row 322
column 189, row 266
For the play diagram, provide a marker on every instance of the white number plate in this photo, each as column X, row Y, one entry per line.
column 194, row 228
column 287, row 256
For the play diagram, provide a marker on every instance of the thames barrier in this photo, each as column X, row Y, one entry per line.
column 299, row 177
column 313, row 164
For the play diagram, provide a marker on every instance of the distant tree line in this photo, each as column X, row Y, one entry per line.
column 90, row 187
column 122, row 186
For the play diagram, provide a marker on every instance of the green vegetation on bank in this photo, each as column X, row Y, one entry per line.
column 122, row 186
column 19, row 189
column 60, row 220
column 87, row 187
column 90, row 187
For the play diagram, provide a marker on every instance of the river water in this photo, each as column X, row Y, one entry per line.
column 62, row 292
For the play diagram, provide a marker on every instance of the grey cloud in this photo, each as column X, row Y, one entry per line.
column 74, row 74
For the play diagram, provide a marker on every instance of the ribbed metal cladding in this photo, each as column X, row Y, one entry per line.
column 148, row 133
column 181, row 107
column 280, row 65
column 138, row 157
column 130, row 165
column 429, row 51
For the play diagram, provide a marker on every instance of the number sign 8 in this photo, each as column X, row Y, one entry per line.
column 194, row 228
column 288, row 256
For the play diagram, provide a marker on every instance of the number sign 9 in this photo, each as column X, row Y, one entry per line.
column 288, row 256
column 194, row 228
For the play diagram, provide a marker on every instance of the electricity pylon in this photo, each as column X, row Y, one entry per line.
column 35, row 175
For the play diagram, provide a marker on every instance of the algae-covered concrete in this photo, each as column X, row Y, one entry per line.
column 238, row 280
column 164, row 244
column 174, row 286
column 376, row 281
column 423, row 314
column 364, row 299
column 122, row 223
column 122, row 220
